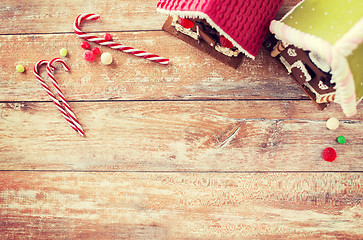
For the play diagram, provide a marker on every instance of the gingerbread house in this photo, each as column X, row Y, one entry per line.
column 320, row 44
column 225, row 29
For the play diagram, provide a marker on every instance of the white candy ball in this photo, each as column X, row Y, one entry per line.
column 332, row 123
column 106, row 58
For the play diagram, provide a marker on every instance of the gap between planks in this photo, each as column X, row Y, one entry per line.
column 72, row 33
column 166, row 172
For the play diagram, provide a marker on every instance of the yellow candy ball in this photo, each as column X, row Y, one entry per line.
column 20, row 68
column 63, row 52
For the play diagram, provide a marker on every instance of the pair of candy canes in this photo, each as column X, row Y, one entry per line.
column 66, row 112
column 64, row 108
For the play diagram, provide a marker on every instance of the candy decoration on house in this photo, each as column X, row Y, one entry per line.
column 222, row 28
column 321, row 46
column 109, row 43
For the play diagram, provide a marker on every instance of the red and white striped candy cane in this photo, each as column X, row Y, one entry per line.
column 111, row 44
column 325, row 99
column 50, row 69
column 51, row 95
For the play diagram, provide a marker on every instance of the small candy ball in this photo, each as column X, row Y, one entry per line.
column 186, row 23
column 329, row 154
column 108, row 37
column 88, row 56
column 332, row 123
column 341, row 140
column 96, row 51
column 85, row 45
column 63, row 52
column 225, row 42
column 20, row 68
column 106, row 58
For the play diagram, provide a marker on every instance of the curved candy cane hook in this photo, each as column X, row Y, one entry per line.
column 71, row 114
column 51, row 95
column 111, row 44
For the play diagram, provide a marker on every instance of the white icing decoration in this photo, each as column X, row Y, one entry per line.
column 340, row 70
column 286, row 64
column 299, row 65
column 202, row 15
column 291, row 52
column 227, row 51
column 181, row 29
column 322, row 86
column 317, row 95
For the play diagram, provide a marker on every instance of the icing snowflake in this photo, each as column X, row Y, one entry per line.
column 322, row 86
column 291, row 52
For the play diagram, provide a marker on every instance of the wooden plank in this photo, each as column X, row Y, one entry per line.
column 38, row 16
column 60, row 205
column 191, row 74
column 170, row 136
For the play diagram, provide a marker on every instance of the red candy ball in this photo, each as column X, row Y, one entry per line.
column 225, row 42
column 96, row 51
column 108, row 37
column 186, row 23
column 329, row 154
column 88, row 56
column 85, row 45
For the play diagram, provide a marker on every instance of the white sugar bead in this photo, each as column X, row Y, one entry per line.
column 332, row 123
column 106, row 58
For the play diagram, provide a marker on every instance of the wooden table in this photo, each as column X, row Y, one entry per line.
column 193, row 150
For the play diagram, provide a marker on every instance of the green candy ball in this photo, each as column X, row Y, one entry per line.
column 341, row 140
column 20, row 68
column 63, row 52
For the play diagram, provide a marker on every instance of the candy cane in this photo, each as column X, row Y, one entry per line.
column 325, row 99
column 51, row 95
column 111, row 44
column 50, row 68
column 280, row 46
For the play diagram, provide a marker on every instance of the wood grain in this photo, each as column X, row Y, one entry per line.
column 54, row 205
column 41, row 16
column 194, row 150
column 173, row 136
column 57, row 17
column 191, row 74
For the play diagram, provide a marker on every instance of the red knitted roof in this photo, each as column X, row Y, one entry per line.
column 244, row 22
